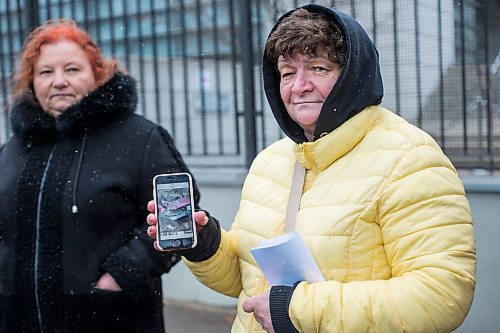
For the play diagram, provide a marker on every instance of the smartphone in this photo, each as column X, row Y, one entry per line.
column 173, row 196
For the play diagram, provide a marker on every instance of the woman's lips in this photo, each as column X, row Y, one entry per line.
column 61, row 95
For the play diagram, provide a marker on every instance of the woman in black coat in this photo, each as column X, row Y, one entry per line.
column 74, row 254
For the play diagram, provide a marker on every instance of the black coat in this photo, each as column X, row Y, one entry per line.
column 72, row 207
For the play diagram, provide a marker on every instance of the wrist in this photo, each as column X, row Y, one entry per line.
column 279, row 303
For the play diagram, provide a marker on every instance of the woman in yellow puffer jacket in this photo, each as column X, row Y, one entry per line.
column 382, row 211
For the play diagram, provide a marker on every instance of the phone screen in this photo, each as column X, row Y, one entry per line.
column 174, row 210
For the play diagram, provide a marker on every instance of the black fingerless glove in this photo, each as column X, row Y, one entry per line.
column 208, row 242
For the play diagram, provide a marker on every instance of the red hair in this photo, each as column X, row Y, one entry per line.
column 54, row 31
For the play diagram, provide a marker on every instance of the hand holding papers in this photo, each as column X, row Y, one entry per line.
column 286, row 259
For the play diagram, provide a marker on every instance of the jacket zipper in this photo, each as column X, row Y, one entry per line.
column 37, row 238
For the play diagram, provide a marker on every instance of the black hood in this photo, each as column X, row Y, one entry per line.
column 115, row 98
column 359, row 85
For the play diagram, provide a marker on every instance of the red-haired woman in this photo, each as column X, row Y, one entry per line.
column 74, row 255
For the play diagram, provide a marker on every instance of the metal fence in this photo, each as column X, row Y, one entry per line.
column 198, row 67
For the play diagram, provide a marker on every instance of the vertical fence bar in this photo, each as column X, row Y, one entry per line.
column 201, row 68
column 5, row 82
column 479, row 99
column 126, row 40
column 441, row 76
column 416, row 18
column 275, row 11
column 3, row 69
column 32, row 14
column 396, row 55
column 374, row 21
column 216, row 57
column 156, row 66
column 111, row 18
column 140, row 41
column 185, row 74
column 261, row 83
column 60, row 6
column 85, row 7
column 489, row 113
column 170, row 55
column 97, row 21
column 353, row 8
column 464, row 82
column 48, row 11
column 10, row 37
column 72, row 6
column 234, row 55
column 248, row 80
column 22, row 32
column 20, row 14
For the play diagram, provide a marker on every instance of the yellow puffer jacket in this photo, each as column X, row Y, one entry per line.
column 384, row 215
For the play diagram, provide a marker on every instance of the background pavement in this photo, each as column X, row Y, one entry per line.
column 192, row 317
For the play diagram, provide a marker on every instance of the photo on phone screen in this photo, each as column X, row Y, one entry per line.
column 174, row 210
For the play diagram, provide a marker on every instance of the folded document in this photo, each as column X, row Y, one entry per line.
column 286, row 259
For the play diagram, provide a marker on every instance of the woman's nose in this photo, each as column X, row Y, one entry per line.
column 301, row 84
column 60, row 80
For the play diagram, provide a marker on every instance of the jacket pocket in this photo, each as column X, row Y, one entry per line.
column 7, row 315
column 100, row 310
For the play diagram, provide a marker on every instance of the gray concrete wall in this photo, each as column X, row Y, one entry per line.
column 221, row 193
column 484, row 197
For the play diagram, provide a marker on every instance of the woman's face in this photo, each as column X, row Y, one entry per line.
column 62, row 76
column 305, row 82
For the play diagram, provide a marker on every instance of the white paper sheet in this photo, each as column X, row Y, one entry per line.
column 286, row 259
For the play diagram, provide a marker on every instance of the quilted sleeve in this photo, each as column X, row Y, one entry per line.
column 221, row 272
column 428, row 237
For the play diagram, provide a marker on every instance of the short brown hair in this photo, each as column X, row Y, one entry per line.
column 53, row 31
column 308, row 33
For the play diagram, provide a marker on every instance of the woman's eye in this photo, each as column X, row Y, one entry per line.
column 319, row 69
column 44, row 72
column 72, row 69
column 286, row 74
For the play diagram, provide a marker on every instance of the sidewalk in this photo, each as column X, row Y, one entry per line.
column 192, row 317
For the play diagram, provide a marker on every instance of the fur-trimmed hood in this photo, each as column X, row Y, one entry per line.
column 115, row 98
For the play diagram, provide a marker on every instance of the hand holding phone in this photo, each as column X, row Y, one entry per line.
column 200, row 217
column 173, row 197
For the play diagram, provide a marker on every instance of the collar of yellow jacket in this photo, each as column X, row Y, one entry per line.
column 320, row 154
